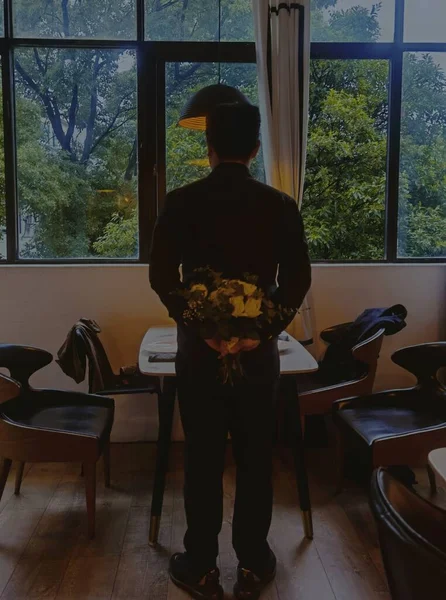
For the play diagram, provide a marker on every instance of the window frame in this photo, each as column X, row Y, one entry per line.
column 152, row 57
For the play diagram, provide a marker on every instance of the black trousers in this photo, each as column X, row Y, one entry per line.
column 208, row 412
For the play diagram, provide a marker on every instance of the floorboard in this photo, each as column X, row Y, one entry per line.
column 45, row 553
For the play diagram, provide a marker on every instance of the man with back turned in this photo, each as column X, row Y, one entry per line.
column 233, row 224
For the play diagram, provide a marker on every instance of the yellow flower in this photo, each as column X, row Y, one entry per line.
column 248, row 288
column 199, row 287
column 213, row 296
column 252, row 308
column 239, row 306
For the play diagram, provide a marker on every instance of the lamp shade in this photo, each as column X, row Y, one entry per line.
column 196, row 110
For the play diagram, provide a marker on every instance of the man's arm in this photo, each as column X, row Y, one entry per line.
column 166, row 256
column 294, row 277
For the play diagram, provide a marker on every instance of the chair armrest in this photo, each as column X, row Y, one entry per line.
column 333, row 334
column 128, row 391
column 389, row 398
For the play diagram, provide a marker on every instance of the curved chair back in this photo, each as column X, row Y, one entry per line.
column 9, row 389
column 23, row 361
column 412, row 534
column 367, row 352
column 424, row 361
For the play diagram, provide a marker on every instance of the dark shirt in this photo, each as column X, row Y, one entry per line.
column 233, row 224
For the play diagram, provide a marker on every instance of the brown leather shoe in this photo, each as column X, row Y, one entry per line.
column 204, row 586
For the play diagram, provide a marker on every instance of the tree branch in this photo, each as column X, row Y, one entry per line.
column 66, row 18
column 110, row 129
column 131, row 165
column 93, row 112
column 72, row 117
column 51, row 107
column 159, row 6
column 39, row 61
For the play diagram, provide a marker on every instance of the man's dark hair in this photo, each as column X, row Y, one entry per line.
column 233, row 130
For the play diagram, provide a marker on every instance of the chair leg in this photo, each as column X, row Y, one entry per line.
column 19, row 477
column 166, row 405
column 106, row 454
column 90, row 493
column 303, row 422
column 340, row 455
column 432, row 479
column 6, row 467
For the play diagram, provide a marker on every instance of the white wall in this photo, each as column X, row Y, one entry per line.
column 38, row 305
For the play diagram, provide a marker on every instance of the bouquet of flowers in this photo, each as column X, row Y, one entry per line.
column 231, row 310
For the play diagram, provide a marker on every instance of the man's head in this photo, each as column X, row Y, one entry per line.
column 232, row 133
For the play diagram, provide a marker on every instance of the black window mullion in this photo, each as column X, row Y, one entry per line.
column 161, row 132
column 140, row 20
column 394, row 139
column 146, row 148
column 10, row 155
column 351, row 50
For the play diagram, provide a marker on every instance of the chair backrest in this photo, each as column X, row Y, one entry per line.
column 100, row 372
column 9, row 389
column 412, row 534
column 424, row 361
column 367, row 353
column 23, row 361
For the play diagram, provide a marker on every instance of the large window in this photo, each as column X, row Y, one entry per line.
column 93, row 89
column 76, row 152
column 345, row 188
column 422, row 198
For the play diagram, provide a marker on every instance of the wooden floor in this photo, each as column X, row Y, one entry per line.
column 44, row 552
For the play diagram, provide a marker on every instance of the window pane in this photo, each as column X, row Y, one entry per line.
column 345, row 186
column 76, row 153
column 197, row 20
column 186, row 153
column 2, row 19
column 424, row 21
column 103, row 19
column 422, row 202
column 352, row 21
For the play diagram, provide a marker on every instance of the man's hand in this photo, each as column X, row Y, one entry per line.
column 224, row 349
column 249, row 345
column 215, row 344
column 244, row 345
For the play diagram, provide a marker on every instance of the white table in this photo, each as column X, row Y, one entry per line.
column 437, row 461
column 294, row 359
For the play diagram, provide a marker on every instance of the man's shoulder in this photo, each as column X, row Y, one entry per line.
column 188, row 189
column 271, row 193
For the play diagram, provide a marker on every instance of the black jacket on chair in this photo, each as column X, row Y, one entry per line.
column 233, row 224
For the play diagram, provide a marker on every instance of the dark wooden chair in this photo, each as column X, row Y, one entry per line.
column 40, row 425
column 412, row 535
column 316, row 397
column 398, row 427
column 101, row 377
column 102, row 380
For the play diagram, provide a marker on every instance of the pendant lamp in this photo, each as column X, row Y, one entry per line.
column 205, row 100
column 193, row 115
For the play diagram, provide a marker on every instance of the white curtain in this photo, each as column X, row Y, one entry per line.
column 282, row 31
